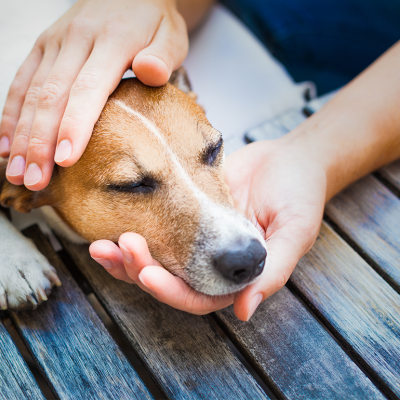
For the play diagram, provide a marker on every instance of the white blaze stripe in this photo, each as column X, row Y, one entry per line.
column 153, row 129
column 222, row 221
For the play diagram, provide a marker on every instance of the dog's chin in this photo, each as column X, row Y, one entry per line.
column 220, row 287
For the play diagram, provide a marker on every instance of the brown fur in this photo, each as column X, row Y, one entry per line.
column 122, row 150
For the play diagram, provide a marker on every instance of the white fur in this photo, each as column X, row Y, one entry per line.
column 23, row 269
column 220, row 226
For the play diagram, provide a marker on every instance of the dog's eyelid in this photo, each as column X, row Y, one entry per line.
column 144, row 185
column 212, row 152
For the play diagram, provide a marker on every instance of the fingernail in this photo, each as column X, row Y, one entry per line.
column 255, row 302
column 144, row 284
column 33, row 174
column 4, row 145
column 64, row 151
column 107, row 264
column 128, row 257
column 17, row 166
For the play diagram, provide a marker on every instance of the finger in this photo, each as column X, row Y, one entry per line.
column 173, row 291
column 96, row 81
column 136, row 254
column 107, row 254
column 15, row 99
column 166, row 52
column 16, row 165
column 284, row 251
column 49, row 112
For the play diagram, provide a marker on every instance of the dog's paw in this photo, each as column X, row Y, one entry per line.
column 26, row 277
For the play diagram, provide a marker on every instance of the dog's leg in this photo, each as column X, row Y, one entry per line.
column 26, row 277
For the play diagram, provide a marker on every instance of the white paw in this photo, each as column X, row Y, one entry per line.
column 26, row 277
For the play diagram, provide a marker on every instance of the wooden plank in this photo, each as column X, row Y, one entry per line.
column 369, row 214
column 392, row 173
column 186, row 357
column 16, row 380
column 359, row 306
column 292, row 352
column 70, row 344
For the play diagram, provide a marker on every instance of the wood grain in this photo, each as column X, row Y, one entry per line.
column 70, row 344
column 293, row 353
column 16, row 381
column 369, row 214
column 185, row 356
column 357, row 303
column 392, row 173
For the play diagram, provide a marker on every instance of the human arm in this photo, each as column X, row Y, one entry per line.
column 282, row 185
column 354, row 134
column 61, row 88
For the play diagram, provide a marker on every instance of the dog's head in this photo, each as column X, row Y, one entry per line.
column 154, row 165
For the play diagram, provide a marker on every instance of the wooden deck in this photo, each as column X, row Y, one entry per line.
column 332, row 333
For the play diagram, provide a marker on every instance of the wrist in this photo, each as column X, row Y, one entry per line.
column 315, row 142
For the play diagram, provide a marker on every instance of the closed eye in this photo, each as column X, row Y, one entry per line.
column 212, row 152
column 145, row 186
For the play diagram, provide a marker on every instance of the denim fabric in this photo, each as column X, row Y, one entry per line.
column 326, row 41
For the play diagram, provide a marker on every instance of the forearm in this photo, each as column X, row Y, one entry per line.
column 194, row 11
column 359, row 130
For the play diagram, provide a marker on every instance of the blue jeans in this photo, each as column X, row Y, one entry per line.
column 326, row 41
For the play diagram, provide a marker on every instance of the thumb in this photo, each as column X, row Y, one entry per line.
column 283, row 253
column 154, row 64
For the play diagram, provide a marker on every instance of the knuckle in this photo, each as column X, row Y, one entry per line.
column 78, row 27
column 21, row 138
column 112, row 29
column 87, row 80
column 68, row 126
column 22, row 131
column 50, row 95
column 38, row 141
column 39, row 146
column 32, row 96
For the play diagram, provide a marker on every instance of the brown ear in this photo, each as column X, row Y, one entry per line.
column 18, row 197
column 181, row 81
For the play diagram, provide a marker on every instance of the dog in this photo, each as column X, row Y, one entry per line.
column 154, row 165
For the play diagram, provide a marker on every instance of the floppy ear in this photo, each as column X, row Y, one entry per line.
column 181, row 81
column 18, row 197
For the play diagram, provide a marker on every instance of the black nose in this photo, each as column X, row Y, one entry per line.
column 242, row 262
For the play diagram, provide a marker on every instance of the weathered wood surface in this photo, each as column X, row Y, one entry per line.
column 293, row 353
column 16, row 381
column 369, row 214
column 186, row 357
column 392, row 173
column 357, row 303
column 70, row 344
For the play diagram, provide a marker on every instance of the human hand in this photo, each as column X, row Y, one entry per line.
column 276, row 186
column 132, row 262
column 61, row 88
column 281, row 189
